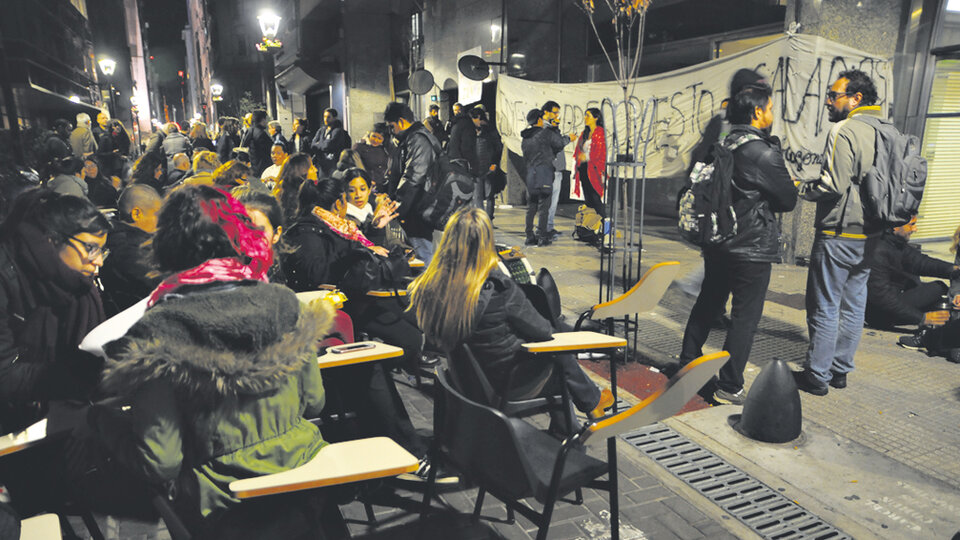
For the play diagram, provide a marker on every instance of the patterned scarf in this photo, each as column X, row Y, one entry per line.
column 247, row 241
column 342, row 226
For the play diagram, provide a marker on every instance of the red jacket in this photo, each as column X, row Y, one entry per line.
column 596, row 161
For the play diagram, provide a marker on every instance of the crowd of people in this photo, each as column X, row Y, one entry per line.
column 202, row 240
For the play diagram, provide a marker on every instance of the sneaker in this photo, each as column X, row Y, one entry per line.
column 554, row 234
column 429, row 360
column 953, row 356
column 913, row 342
column 545, row 241
column 422, row 474
column 839, row 380
column 808, row 383
column 530, row 241
column 730, row 398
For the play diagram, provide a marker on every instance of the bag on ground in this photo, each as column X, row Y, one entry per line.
column 587, row 225
column 892, row 189
column 707, row 213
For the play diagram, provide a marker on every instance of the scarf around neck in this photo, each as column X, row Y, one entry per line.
column 342, row 226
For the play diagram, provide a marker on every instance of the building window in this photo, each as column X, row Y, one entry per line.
column 416, row 41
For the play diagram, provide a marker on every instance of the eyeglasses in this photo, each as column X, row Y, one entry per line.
column 93, row 251
column 832, row 96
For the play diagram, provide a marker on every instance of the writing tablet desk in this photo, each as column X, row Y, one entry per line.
column 21, row 440
column 335, row 464
column 380, row 351
column 575, row 341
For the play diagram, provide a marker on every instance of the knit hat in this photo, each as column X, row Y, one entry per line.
column 743, row 78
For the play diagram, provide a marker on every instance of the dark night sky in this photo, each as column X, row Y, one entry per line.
column 167, row 19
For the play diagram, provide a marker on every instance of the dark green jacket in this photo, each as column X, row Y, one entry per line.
column 220, row 380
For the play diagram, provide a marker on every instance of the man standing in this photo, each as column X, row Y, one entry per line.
column 329, row 141
column 490, row 179
column 275, row 130
column 741, row 265
column 540, row 146
column 259, row 142
column 81, row 139
column 551, row 120
column 410, row 164
column 837, row 279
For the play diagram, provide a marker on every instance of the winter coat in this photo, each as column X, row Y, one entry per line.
column 761, row 186
column 124, row 274
column 489, row 149
column 375, row 160
column 503, row 321
column 69, row 184
column 463, row 143
column 101, row 192
column 259, row 144
column 82, row 142
column 220, row 379
column 410, row 165
column 327, row 144
column 540, row 146
column 896, row 266
column 847, row 159
column 317, row 259
column 596, row 161
column 225, row 145
column 175, row 143
column 202, row 143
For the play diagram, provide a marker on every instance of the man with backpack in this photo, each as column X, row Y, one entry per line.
column 837, row 279
column 758, row 184
column 410, row 166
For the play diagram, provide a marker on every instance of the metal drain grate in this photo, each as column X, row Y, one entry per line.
column 757, row 505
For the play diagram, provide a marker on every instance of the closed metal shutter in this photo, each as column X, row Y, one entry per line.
column 940, row 209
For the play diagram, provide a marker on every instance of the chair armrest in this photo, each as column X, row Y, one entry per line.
column 575, row 341
column 387, row 293
column 335, row 464
column 664, row 403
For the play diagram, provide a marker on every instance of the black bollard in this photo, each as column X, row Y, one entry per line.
column 772, row 412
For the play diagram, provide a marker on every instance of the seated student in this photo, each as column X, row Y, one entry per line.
column 148, row 169
column 895, row 294
column 217, row 390
column 51, row 247
column 69, row 178
column 297, row 169
column 462, row 297
column 181, row 166
column 129, row 275
column 278, row 155
column 325, row 249
column 373, row 221
column 264, row 211
column 100, row 190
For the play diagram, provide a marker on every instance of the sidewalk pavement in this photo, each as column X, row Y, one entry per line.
column 878, row 459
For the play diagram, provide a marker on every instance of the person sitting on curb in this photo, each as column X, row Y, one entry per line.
column 895, row 294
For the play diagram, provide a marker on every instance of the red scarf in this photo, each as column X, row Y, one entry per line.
column 342, row 226
column 247, row 241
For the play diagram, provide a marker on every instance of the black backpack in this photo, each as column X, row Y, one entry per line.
column 707, row 212
column 893, row 187
column 449, row 188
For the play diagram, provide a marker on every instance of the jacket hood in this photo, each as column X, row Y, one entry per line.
column 530, row 131
column 215, row 343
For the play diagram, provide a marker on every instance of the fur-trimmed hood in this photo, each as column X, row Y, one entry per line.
column 219, row 341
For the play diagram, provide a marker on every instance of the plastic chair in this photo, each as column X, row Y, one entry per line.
column 513, row 460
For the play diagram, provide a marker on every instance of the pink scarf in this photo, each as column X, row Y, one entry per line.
column 247, row 241
column 342, row 226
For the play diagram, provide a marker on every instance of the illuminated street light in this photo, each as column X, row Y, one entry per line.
column 216, row 90
column 75, row 99
column 107, row 66
column 269, row 23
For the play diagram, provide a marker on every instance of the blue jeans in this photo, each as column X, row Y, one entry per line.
column 423, row 247
column 554, row 198
column 836, row 301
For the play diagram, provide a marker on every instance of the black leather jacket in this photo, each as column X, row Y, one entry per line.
column 762, row 186
column 410, row 165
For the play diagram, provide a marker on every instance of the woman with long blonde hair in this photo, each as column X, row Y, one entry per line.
column 463, row 297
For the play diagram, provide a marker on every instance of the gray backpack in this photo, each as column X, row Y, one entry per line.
column 893, row 187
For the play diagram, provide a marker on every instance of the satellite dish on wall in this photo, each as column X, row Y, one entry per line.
column 420, row 82
column 473, row 67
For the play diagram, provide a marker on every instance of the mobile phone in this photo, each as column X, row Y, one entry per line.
column 351, row 347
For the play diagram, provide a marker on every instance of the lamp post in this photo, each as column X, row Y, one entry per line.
column 216, row 93
column 269, row 28
column 108, row 66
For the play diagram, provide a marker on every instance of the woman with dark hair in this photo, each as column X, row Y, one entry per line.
column 372, row 217
column 591, row 159
column 100, row 189
column 298, row 167
column 229, row 139
column 329, row 249
column 51, row 248
column 149, row 170
column 218, row 389
column 265, row 212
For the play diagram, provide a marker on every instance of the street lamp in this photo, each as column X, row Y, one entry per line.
column 269, row 27
column 216, row 90
column 108, row 66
